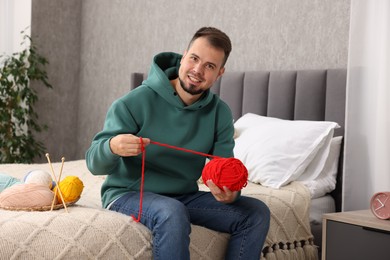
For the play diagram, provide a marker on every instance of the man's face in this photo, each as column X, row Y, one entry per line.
column 200, row 67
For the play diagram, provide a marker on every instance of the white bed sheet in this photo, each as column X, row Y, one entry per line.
column 320, row 206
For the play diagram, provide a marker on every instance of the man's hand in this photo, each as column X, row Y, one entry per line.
column 225, row 195
column 127, row 144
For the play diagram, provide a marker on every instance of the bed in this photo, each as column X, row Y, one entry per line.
column 86, row 231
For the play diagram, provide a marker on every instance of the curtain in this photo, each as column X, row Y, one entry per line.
column 367, row 138
column 15, row 16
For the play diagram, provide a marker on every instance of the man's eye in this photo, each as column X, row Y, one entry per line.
column 210, row 67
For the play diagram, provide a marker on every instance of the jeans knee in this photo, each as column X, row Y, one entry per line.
column 173, row 214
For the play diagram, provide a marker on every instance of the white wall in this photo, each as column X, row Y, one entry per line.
column 15, row 16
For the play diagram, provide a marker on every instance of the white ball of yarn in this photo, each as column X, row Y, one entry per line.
column 39, row 177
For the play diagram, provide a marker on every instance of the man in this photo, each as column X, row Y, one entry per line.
column 174, row 106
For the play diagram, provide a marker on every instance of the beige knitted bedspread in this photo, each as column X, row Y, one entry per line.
column 89, row 232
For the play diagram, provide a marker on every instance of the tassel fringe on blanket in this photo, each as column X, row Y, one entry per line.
column 303, row 250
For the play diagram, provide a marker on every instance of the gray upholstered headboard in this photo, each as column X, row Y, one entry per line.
column 295, row 95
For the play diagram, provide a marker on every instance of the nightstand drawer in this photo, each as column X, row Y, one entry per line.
column 347, row 241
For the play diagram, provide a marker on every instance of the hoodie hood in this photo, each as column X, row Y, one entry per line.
column 165, row 67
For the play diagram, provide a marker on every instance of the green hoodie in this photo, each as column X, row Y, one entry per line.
column 154, row 110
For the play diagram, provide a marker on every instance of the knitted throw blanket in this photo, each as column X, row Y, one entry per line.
column 289, row 236
column 89, row 232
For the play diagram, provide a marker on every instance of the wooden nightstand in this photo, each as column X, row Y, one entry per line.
column 355, row 235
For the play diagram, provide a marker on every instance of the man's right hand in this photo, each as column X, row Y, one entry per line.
column 127, row 145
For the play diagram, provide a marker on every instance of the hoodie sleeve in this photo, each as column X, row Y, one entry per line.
column 119, row 120
column 224, row 142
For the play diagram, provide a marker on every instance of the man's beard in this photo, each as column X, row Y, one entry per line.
column 191, row 89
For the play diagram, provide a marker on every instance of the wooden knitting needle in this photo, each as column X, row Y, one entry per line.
column 57, row 181
column 54, row 178
column 58, row 187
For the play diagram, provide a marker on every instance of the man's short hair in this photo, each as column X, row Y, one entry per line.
column 216, row 38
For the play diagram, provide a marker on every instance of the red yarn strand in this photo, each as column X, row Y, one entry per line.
column 235, row 177
column 184, row 149
column 141, row 192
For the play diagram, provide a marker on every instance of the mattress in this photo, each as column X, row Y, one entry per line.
column 318, row 207
column 289, row 232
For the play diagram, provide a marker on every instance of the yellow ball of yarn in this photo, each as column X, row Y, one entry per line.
column 71, row 188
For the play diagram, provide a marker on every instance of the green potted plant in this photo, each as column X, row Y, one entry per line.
column 18, row 119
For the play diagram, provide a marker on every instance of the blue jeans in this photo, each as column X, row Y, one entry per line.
column 169, row 218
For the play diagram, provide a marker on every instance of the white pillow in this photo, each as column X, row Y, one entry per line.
column 316, row 165
column 277, row 151
column 326, row 181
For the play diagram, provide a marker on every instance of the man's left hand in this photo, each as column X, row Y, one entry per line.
column 225, row 195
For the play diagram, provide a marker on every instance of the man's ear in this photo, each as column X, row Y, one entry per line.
column 182, row 57
column 220, row 73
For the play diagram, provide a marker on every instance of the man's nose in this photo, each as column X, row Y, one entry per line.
column 198, row 68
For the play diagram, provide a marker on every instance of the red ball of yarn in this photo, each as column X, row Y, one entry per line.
column 229, row 172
